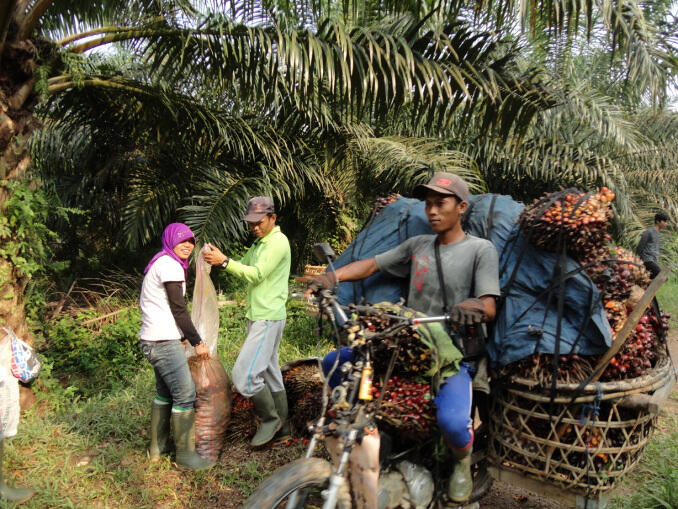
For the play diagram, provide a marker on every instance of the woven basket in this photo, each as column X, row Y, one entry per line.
column 314, row 270
column 564, row 442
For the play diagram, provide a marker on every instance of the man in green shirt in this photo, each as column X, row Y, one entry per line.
column 266, row 268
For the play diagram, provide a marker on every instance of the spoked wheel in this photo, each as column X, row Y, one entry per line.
column 299, row 484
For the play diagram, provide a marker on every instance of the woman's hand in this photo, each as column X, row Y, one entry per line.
column 202, row 351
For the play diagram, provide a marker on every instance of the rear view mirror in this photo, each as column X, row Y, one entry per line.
column 323, row 252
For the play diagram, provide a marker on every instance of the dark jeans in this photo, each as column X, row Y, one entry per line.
column 173, row 379
column 653, row 269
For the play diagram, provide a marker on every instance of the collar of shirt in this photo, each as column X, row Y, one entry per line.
column 268, row 237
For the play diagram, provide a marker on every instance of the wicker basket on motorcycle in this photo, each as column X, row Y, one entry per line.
column 585, row 444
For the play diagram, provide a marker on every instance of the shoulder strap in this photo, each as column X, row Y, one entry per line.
column 441, row 279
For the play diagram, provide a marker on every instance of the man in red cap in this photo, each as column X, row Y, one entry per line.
column 452, row 273
column 266, row 268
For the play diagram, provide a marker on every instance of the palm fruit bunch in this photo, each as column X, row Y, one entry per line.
column 639, row 353
column 571, row 368
column 414, row 357
column 577, row 219
column 243, row 424
column 408, row 407
column 383, row 201
column 616, row 313
column 615, row 271
column 304, row 386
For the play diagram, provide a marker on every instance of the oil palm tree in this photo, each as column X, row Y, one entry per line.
column 245, row 94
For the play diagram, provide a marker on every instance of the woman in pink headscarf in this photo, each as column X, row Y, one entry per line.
column 165, row 324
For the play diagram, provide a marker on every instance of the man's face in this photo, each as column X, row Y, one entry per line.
column 443, row 211
column 264, row 226
column 662, row 224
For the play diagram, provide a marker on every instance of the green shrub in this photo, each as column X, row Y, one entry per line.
column 110, row 353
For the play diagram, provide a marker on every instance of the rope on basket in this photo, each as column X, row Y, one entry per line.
column 590, row 410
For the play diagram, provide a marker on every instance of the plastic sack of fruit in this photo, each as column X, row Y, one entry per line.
column 25, row 362
column 205, row 312
column 212, row 405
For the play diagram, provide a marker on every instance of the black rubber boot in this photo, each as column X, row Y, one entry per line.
column 7, row 493
column 460, row 485
column 280, row 400
column 160, row 430
column 184, row 439
column 264, row 407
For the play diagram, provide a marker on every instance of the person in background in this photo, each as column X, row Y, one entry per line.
column 8, row 493
column 165, row 325
column 452, row 273
column 266, row 269
column 648, row 247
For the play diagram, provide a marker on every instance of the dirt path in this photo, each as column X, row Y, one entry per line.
column 506, row 496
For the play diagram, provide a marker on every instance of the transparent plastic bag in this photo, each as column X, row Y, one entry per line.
column 419, row 481
column 205, row 312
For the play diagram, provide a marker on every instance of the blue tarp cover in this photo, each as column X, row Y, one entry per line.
column 527, row 321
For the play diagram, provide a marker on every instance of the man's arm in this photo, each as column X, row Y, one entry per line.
column 490, row 307
column 644, row 239
column 277, row 248
column 355, row 271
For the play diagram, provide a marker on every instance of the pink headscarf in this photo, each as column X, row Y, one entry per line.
column 175, row 233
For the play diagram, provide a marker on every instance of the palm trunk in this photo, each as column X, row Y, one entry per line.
column 17, row 98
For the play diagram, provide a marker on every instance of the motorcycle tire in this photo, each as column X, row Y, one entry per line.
column 482, row 482
column 307, row 477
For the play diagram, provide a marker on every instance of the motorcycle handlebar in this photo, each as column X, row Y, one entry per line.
column 412, row 321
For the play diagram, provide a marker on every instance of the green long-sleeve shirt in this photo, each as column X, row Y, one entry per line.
column 266, row 268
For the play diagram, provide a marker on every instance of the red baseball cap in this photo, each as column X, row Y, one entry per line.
column 443, row 183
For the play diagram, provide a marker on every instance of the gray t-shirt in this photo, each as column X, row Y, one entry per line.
column 471, row 269
column 648, row 247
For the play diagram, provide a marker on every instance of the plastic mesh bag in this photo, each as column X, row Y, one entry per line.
column 212, row 405
column 205, row 312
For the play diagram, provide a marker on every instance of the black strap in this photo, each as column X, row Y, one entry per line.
column 441, row 279
column 490, row 216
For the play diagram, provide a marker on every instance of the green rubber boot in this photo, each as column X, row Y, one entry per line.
column 460, row 485
column 264, row 407
column 160, row 430
column 280, row 400
column 184, row 440
column 7, row 493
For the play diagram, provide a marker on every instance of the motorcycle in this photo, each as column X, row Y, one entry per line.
column 413, row 473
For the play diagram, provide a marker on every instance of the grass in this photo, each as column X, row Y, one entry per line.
column 654, row 482
column 668, row 299
column 86, row 447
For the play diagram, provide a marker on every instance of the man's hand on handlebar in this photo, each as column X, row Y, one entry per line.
column 468, row 312
column 325, row 281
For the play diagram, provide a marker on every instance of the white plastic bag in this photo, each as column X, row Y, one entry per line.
column 205, row 312
column 25, row 363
